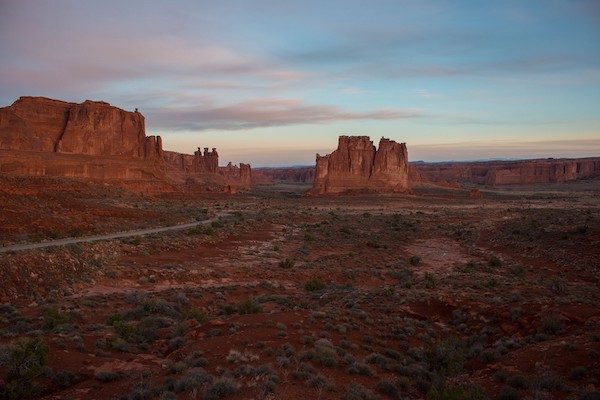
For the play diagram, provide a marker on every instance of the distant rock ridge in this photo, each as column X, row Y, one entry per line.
column 356, row 165
column 490, row 173
column 521, row 172
column 94, row 140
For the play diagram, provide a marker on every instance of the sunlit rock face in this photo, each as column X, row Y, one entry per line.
column 94, row 140
column 356, row 165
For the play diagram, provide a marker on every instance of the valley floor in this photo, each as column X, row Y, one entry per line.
column 430, row 295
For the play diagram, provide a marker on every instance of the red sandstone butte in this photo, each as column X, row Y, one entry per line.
column 94, row 140
column 356, row 165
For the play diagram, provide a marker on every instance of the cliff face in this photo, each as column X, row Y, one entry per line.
column 92, row 128
column 290, row 174
column 203, row 167
column 94, row 140
column 357, row 165
column 511, row 172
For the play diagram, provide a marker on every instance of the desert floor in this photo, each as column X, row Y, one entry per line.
column 428, row 295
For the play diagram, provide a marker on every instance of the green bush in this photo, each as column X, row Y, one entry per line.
column 26, row 362
column 287, row 263
column 495, row 262
column 314, row 284
column 249, row 306
column 446, row 358
column 441, row 392
column 195, row 313
column 414, row 260
column 53, row 318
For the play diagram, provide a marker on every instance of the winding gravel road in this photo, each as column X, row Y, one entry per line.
column 108, row 236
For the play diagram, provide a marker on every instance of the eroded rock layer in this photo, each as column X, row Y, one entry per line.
column 356, row 165
column 94, row 140
column 523, row 172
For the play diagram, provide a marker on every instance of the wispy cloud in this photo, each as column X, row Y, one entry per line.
column 264, row 113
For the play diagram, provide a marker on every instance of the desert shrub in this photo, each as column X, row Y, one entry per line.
column 517, row 381
column 388, row 388
column 359, row 368
column 216, row 224
column 377, row 359
column 358, row 392
column 53, row 318
column 429, row 280
column 196, row 359
column 414, row 260
column 140, row 391
column 249, row 306
column 26, row 362
column 446, row 357
column 577, row 372
column 314, row 285
column 551, row 324
column 508, row 393
column 558, row 286
column 146, row 330
column 198, row 314
column 515, row 313
column 220, row 388
column 441, row 392
column 327, row 356
column 124, row 330
column 319, row 382
column 549, row 382
column 269, row 384
column 501, row 376
column 201, row 230
column 591, row 395
column 288, row 263
column 108, row 376
column 304, row 371
column 495, row 262
column 195, row 379
column 64, row 379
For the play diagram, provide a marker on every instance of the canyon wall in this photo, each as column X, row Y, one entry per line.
column 356, row 165
column 287, row 174
column 522, row 172
column 94, row 140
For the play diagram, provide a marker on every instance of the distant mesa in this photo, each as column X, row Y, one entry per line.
column 357, row 166
column 94, row 140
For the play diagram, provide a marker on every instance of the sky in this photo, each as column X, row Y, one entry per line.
column 272, row 82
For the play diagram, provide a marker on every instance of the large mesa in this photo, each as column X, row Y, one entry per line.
column 96, row 141
column 356, row 165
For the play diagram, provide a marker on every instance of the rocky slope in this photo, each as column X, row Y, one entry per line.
column 357, row 165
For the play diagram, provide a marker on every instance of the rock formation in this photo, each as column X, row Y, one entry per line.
column 491, row 173
column 92, row 128
column 287, row 174
column 94, row 140
column 520, row 172
column 357, row 165
column 202, row 165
